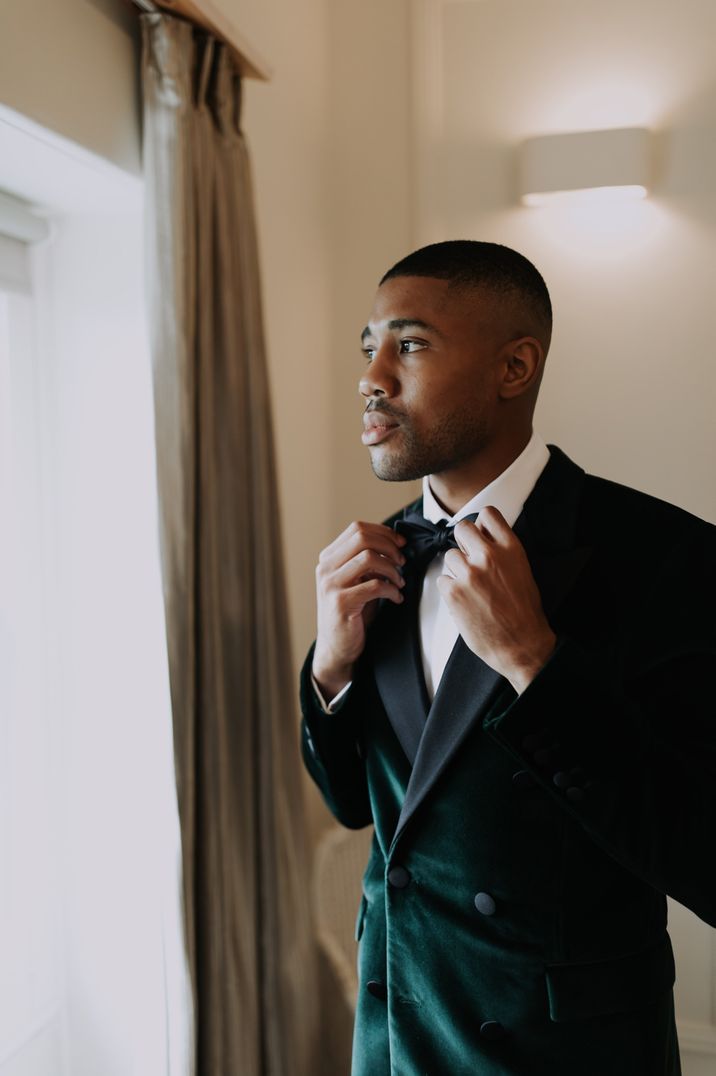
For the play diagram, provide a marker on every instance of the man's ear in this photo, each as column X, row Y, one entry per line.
column 522, row 369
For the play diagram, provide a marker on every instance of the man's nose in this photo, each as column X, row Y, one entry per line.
column 380, row 378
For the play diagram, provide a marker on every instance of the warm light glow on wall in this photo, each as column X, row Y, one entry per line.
column 585, row 167
column 586, row 195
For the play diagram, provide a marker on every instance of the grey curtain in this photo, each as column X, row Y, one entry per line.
column 245, row 852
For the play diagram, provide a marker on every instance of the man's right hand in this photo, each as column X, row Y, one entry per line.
column 353, row 573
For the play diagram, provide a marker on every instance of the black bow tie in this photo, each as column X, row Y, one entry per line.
column 425, row 539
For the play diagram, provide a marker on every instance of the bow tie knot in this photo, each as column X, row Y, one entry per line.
column 426, row 540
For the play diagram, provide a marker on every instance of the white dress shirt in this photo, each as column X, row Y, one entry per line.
column 438, row 631
column 508, row 493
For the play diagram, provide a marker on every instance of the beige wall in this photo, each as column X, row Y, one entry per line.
column 630, row 382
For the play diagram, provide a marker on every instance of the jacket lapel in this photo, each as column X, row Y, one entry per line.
column 468, row 686
column 466, row 689
column 398, row 668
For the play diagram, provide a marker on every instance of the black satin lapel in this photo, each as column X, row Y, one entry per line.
column 398, row 669
column 467, row 687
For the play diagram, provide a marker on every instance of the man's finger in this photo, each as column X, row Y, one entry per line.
column 492, row 521
column 471, row 539
column 359, row 528
column 455, row 564
column 356, row 599
column 361, row 536
column 367, row 564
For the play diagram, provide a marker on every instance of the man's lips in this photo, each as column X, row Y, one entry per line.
column 376, row 427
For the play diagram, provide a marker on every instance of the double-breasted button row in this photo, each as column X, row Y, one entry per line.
column 490, row 1030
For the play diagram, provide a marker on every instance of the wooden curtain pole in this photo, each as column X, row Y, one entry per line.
column 207, row 14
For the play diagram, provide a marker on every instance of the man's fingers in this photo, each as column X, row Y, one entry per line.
column 490, row 528
column 359, row 536
column 472, row 540
column 353, row 601
column 491, row 521
column 361, row 528
column 364, row 565
column 456, row 565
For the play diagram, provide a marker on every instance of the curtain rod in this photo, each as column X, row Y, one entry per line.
column 206, row 14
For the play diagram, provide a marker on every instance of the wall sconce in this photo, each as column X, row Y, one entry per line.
column 585, row 167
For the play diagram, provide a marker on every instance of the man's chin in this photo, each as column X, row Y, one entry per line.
column 389, row 469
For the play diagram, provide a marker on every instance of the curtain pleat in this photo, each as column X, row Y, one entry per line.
column 245, row 851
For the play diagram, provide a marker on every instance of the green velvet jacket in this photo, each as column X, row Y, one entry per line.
column 513, row 914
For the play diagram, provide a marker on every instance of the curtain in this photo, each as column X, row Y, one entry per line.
column 244, row 845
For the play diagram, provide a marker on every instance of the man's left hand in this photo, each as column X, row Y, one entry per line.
column 493, row 598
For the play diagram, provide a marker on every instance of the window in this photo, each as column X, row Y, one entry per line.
column 93, row 975
column 30, row 975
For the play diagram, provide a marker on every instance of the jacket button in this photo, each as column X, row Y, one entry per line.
column 575, row 794
column 523, row 779
column 547, row 756
column 492, row 1030
column 562, row 779
column 485, row 904
column 398, row 877
column 377, row 989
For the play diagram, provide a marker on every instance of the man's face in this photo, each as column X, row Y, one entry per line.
column 431, row 386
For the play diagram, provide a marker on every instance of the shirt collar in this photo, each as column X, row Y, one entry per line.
column 508, row 492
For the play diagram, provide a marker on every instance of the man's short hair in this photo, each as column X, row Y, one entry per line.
column 469, row 263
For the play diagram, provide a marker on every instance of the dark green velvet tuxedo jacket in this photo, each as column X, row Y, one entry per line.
column 513, row 914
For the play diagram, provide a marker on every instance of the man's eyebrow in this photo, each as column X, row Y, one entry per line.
column 404, row 323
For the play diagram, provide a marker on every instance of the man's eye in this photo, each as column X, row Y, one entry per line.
column 408, row 346
column 369, row 353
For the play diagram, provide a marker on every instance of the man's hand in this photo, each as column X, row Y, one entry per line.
column 494, row 600
column 353, row 572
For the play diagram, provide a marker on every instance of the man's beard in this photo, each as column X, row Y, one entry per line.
column 460, row 438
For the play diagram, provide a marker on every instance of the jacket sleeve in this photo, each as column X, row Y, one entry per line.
column 626, row 740
column 332, row 748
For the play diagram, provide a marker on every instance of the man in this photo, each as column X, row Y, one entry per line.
column 526, row 718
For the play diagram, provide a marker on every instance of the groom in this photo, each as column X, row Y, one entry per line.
column 512, row 681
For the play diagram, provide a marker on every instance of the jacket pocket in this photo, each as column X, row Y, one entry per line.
column 360, row 919
column 620, row 984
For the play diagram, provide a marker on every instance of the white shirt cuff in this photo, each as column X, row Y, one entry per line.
column 329, row 708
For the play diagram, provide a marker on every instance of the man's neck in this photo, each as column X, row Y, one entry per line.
column 452, row 489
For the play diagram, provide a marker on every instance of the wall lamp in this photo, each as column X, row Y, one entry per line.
column 585, row 167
